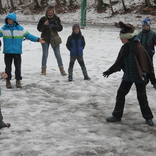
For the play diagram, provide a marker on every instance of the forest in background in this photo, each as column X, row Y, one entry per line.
column 64, row 6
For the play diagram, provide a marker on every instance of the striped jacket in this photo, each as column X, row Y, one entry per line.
column 13, row 36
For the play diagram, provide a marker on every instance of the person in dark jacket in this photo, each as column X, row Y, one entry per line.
column 148, row 40
column 136, row 64
column 75, row 44
column 49, row 26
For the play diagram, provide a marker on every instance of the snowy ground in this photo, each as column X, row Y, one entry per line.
column 53, row 117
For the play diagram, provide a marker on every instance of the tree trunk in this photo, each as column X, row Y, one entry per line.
column 1, row 5
column 124, row 6
column 58, row 2
column 64, row 2
column 70, row 3
column 12, row 5
column 111, row 7
column 148, row 3
column 43, row 3
column 20, row 2
column 36, row 4
column 100, row 5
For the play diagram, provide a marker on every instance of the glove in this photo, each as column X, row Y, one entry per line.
column 107, row 73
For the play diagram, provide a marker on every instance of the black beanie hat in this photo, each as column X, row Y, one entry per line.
column 75, row 26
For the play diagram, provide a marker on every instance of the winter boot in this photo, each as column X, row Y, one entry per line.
column 113, row 119
column 8, row 84
column 86, row 77
column 150, row 122
column 43, row 70
column 63, row 73
column 70, row 78
column 18, row 84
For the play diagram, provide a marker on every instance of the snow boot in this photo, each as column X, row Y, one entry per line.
column 150, row 122
column 113, row 119
column 70, row 78
column 43, row 70
column 8, row 84
column 63, row 73
column 3, row 125
column 86, row 77
column 18, row 84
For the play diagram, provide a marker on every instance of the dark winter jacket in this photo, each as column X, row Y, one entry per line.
column 46, row 32
column 75, row 44
column 148, row 40
column 130, row 70
column 141, row 58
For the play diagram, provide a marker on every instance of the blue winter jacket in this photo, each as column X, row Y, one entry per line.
column 75, row 44
column 13, row 36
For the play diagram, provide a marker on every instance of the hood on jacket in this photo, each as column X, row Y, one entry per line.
column 11, row 16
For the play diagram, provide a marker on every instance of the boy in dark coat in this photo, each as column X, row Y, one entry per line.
column 136, row 65
column 75, row 44
column 147, row 38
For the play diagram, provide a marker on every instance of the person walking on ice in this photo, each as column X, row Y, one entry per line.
column 13, row 35
column 136, row 64
column 75, row 44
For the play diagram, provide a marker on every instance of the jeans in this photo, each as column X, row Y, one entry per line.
column 8, row 58
column 141, row 96
column 45, row 47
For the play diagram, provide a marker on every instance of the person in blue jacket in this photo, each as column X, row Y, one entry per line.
column 75, row 44
column 13, row 35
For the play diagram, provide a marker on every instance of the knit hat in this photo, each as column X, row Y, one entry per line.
column 49, row 7
column 146, row 21
column 75, row 26
column 127, row 30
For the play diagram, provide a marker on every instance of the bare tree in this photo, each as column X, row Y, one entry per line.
column 100, row 5
column 36, row 4
column 44, row 3
column 148, row 3
column 111, row 7
column 1, row 5
column 124, row 6
column 21, row 2
column 12, row 5
column 58, row 2
column 70, row 3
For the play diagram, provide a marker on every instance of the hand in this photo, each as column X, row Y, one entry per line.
column 46, row 22
column 41, row 40
column 107, row 73
column 4, row 75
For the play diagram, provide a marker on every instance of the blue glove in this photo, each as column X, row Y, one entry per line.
column 107, row 73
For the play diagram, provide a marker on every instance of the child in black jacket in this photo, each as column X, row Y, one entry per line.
column 75, row 44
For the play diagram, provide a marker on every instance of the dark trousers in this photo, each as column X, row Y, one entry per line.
column 81, row 63
column 8, row 58
column 141, row 96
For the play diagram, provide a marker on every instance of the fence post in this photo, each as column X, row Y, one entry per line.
column 83, row 12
